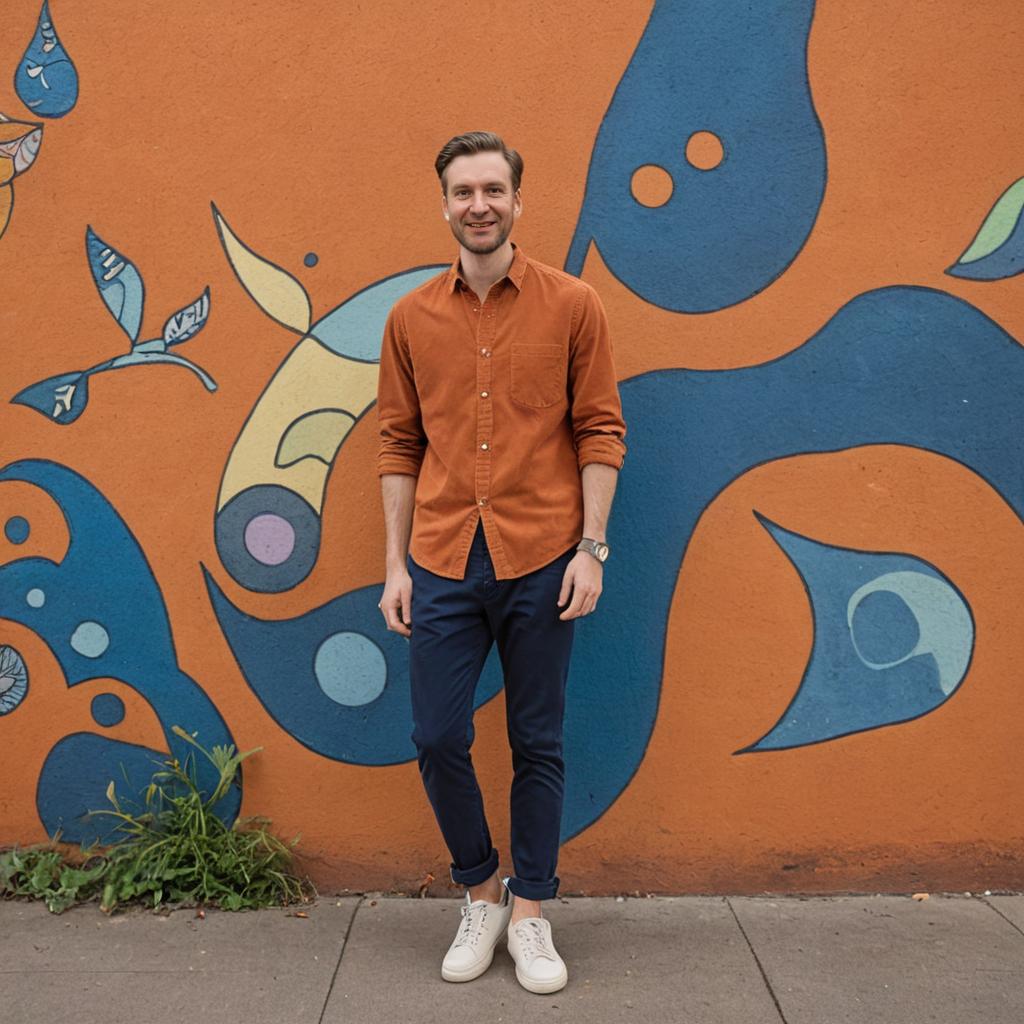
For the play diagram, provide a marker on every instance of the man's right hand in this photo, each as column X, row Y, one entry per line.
column 396, row 604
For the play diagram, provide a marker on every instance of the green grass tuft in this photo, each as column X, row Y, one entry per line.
column 177, row 852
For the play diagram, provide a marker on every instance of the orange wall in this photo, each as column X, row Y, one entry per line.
column 313, row 127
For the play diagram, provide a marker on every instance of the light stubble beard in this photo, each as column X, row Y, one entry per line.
column 477, row 249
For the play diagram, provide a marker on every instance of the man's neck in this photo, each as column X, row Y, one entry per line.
column 481, row 270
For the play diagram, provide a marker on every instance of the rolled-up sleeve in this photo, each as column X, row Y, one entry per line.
column 402, row 440
column 597, row 423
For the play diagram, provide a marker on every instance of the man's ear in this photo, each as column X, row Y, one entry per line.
column 444, row 205
column 519, row 201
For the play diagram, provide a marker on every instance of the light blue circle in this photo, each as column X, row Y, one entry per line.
column 351, row 669
column 885, row 629
column 90, row 639
column 35, row 598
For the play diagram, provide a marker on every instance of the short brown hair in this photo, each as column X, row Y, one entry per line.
column 477, row 142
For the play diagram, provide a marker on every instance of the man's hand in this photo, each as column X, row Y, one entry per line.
column 583, row 576
column 396, row 604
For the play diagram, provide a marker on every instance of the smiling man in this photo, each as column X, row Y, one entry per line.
column 501, row 437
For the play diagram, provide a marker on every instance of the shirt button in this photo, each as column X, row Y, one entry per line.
column 485, row 351
column 482, row 501
column 484, row 446
column 484, row 394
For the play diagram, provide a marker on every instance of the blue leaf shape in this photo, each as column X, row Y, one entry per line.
column 119, row 283
column 62, row 398
column 188, row 322
column 46, row 79
column 1004, row 259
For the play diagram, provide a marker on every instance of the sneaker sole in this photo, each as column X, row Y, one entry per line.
column 470, row 972
column 543, row 987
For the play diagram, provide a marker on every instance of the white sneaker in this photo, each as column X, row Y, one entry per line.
column 472, row 949
column 539, row 968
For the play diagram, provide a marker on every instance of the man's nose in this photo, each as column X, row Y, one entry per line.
column 479, row 203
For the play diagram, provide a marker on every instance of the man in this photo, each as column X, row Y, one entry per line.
column 501, row 429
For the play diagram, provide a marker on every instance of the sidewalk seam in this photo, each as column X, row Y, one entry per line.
column 341, row 954
column 1013, row 925
column 757, row 960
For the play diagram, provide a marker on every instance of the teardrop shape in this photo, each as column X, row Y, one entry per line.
column 725, row 223
column 46, row 79
column 893, row 639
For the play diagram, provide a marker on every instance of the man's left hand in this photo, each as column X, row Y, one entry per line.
column 583, row 578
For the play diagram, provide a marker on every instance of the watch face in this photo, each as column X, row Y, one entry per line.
column 602, row 552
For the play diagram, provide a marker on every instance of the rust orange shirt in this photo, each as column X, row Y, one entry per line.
column 497, row 407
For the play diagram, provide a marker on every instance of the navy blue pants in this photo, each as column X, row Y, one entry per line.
column 454, row 624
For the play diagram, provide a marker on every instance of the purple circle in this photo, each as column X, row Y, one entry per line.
column 269, row 538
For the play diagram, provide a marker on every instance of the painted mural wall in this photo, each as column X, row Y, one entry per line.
column 805, row 221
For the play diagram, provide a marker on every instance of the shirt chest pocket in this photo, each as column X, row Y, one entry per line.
column 538, row 375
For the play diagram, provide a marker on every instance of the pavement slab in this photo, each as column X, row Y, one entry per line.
column 144, row 968
column 854, row 960
column 679, row 959
column 1011, row 907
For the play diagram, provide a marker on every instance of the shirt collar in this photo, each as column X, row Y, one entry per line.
column 516, row 270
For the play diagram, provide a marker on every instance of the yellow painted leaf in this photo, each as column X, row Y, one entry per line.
column 274, row 290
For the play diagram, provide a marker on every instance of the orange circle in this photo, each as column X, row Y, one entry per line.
column 651, row 185
column 704, row 150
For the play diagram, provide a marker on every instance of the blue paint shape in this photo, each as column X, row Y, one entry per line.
column 311, row 259
column 351, row 669
column 280, row 659
column 875, row 668
column 35, row 598
column 118, row 282
column 16, row 529
column 104, row 578
column 884, row 628
column 354, row 329
column 107, row 709
column 62, row 398
column 90, row 640
column 736, row 69
column 13, row 679
column 902, row 365
column 46, row 80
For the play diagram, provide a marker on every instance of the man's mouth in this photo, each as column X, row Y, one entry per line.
column 480, row 224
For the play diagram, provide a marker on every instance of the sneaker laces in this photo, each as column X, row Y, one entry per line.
column 533, row 939
column 473, row 916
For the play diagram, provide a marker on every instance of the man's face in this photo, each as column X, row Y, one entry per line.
column 479, row 203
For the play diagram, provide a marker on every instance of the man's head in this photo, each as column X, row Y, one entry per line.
column 480, row 195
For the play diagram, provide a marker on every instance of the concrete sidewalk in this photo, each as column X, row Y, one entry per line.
column 369, row 959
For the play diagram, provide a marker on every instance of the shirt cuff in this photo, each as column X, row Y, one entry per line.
column 408, row 465
column 609, row 451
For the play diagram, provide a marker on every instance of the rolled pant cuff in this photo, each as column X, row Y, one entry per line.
column 533, row 890
column 474, row 876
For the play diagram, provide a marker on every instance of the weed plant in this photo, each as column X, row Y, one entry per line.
column 176, row 852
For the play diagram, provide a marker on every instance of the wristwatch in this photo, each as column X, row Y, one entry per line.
column 594, row 547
